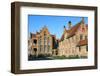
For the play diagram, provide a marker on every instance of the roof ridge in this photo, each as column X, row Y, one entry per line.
column 74, row 29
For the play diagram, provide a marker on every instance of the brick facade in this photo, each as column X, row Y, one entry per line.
column 42, row 43
column 74, row 40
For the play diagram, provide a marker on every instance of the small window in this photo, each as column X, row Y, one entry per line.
column 44, row 33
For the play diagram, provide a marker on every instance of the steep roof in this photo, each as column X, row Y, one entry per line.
column 74, row 29
column 62, row 38
column 37, row 32
column 53, row 36
column 71, row 31
column 33, row 35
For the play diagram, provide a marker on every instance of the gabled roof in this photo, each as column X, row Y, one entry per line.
column 33, row 35
column 62, row 38
column 71, row 31
column 53, row 36
column 74, row 29
column 37, row 32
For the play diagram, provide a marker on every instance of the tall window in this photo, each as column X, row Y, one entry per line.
column 56, row 52
column 79, row 48
column 48, row 41
column 81, row 37
column 40, row 47
column 35, row 50
column 85, row 37
column 40, row 42
column 34, row 41
column 48, row 47
column 87, row 48
column 44, row 47
column 44, row 38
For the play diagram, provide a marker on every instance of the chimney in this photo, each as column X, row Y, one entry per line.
column 69, row 24
column 30, row 35
column 82, row 19
column 64, row 29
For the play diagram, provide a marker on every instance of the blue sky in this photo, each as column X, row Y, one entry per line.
column 54, row 24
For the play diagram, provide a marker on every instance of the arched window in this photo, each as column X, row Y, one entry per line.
column 35, row 50
column 34, row 41
column 45, row 38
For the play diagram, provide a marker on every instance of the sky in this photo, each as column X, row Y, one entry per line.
column 55, row 24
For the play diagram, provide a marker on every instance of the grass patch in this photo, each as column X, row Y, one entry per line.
column 73, row 57
column 84, row 57
column 64, row 57
column 48, row 57
column 59, row 57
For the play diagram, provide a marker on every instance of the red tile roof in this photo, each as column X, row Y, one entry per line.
column 62, row 38
column 71, row 31
column 74, row 29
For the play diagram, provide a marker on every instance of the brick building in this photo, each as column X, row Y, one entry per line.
column 74, row 41
column 42, row 43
